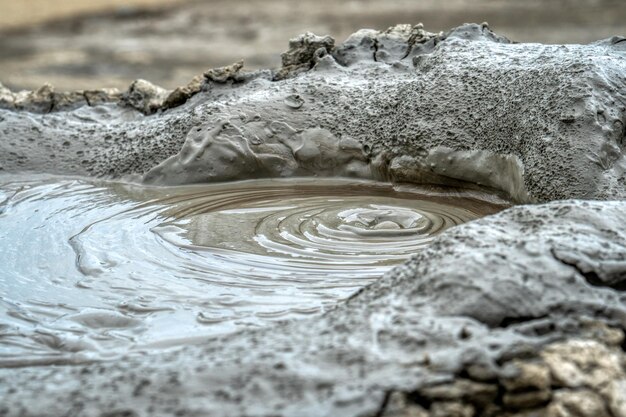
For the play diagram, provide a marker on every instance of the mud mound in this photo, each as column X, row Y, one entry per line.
column 533, row 121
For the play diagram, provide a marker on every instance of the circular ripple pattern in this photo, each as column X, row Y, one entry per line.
column 95, row 269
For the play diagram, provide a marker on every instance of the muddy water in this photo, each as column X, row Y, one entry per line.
column 91, row 270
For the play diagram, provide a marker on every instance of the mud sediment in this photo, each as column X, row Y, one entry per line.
column 140, row 269
column 505, row 315
column 403, row 104
column 480, row 302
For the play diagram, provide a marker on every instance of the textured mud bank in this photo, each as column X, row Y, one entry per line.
column 534, row 121
column 519, row 313
column 472, row 312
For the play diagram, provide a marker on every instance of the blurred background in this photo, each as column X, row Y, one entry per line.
column 83, row 44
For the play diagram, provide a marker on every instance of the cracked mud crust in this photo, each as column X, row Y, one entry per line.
column 579, row 377
column 518, row 314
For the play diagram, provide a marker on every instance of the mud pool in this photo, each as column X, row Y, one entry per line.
column 517, row 313
column 94, row 269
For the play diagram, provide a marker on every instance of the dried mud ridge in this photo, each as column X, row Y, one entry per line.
column 521, row 313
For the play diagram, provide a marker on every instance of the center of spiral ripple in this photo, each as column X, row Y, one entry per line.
column 97, row 268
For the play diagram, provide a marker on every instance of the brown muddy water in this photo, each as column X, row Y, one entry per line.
column 91, row 269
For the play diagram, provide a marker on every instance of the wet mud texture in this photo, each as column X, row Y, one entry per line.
column 466, row 312
column 535, row 122
column 499, row 308
column 134, row 269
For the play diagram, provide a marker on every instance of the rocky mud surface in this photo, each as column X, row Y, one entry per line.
column 520, row 313
column 403, row 104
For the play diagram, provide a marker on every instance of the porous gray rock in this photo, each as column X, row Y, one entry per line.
column 46, row 99
column 303, row 53
column 144, row 96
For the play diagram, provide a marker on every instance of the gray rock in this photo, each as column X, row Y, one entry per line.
column 525, row 376
column 145, row 96
column 304, row 51
column 583, row 403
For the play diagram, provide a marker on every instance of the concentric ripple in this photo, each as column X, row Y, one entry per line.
column 95, row 269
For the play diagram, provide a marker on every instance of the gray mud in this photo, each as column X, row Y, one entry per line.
column 137, row 269
column 404, row 105
column 507, row 302
column 486, row 291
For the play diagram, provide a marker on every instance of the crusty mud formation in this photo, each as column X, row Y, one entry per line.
column 403, row 104
column 520, row 313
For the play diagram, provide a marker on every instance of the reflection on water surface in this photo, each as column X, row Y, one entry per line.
column 94, row 269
